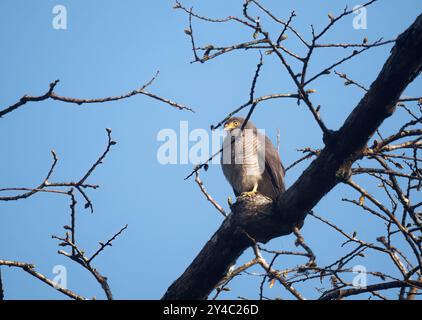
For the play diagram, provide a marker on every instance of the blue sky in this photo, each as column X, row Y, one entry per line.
column 114, row 47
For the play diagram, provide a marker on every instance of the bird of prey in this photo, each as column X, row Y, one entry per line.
column 250, row 162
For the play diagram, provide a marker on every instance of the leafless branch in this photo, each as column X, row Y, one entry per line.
column 207, row 195
column 30, row 268
column 50, row 94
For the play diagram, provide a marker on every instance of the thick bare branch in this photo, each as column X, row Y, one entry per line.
column 264, row 220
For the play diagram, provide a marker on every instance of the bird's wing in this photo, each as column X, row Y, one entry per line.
column 274, row 166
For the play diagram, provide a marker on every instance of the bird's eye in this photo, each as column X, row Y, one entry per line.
column 236, row 123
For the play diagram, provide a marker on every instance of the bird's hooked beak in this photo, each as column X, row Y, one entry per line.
column 229, row 126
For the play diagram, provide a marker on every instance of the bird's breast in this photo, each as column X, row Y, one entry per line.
column 241, row 161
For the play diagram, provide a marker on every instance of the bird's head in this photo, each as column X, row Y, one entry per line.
column 237, row 123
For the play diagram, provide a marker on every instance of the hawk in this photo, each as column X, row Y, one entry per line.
column 250, row 162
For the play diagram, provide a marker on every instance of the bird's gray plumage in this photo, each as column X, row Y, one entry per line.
column 249, row 158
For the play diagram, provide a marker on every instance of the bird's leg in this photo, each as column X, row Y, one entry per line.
column 253, row 192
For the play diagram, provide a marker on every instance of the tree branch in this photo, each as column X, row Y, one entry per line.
column 264, row 220
column 30, row 268
column 50, row 94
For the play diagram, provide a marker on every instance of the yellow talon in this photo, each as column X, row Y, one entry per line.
column 251, row 193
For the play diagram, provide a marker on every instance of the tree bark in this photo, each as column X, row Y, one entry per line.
column 262, row 219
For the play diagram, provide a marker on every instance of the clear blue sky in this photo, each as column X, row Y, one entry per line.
column 111, row 47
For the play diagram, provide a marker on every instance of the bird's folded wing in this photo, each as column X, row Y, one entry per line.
column 273, row 165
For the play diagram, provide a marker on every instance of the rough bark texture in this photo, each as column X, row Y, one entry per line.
column 264, row 220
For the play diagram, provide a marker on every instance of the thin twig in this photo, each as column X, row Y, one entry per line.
column 30, row 268
column 207, row 195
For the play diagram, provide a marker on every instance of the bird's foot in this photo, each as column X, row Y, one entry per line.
column 249, row 193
